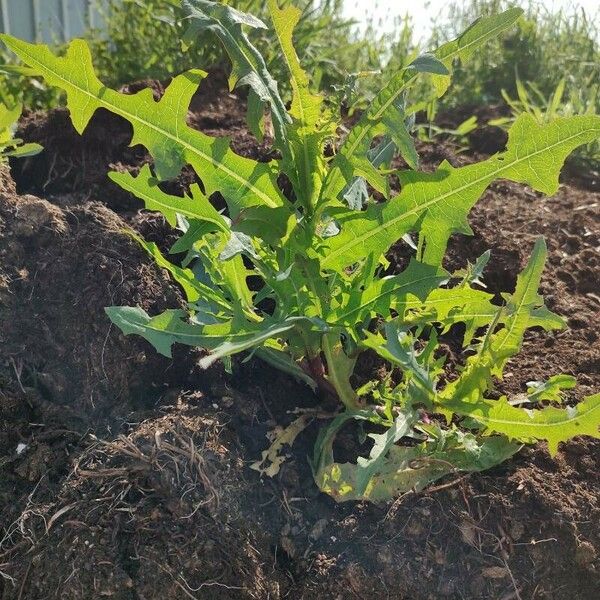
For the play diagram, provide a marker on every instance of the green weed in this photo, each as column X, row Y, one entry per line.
column 319, row 253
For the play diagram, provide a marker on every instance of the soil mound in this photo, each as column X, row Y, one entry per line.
column 154, row 514
column 59, row 269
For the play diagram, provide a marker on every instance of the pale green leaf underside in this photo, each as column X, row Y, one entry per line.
column 224, row 339
column 282, row 361
column 248, row 65
column 551, row 390
column 22, row 150
column 168, row 328
column 9, row 145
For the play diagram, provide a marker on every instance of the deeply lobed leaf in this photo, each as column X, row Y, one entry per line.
column 159, row 126
column 524, row 309
column 553, row 425
column 387, row 111
column 437, row 204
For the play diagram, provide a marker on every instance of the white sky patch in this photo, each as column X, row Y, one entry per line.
column 384, row 14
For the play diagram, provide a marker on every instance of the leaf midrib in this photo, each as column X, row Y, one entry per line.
column 296, row 88
column 395, row 95
column 409, row 284
column 516, row 314
column 225, row 337
column 182, row 210
column 491, row 33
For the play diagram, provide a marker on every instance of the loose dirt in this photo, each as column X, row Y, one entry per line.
column 125, row 475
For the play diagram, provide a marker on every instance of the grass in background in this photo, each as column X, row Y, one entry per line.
column 531, row 100
column 542, row 49
column 548, row 65
column 142, row 40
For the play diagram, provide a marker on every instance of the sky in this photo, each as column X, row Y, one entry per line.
column 422, row 11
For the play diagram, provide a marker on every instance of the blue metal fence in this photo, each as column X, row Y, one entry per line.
column 48, row 20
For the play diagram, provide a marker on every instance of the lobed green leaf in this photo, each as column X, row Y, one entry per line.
column 159, row 126
column 145, row 187
column 437, row 204
column 524, row 309
column 554, row 425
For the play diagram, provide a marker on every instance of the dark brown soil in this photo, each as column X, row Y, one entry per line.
column 132, row 478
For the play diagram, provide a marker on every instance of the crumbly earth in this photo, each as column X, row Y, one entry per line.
column 125, row 475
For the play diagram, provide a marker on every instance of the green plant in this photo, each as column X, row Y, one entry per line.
column 11, row 147
column 319, row 253
column 532, row 101
column 427, row 132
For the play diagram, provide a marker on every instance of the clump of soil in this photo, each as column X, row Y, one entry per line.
column 153, row 514
column 59, row 269
column 131, row 478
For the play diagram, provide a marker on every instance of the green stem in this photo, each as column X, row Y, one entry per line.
column 339, row 369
